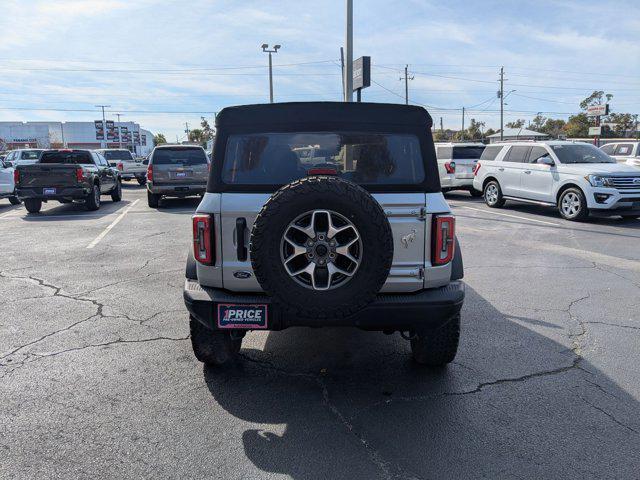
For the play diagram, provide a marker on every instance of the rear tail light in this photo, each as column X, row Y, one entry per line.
column 120, row 166
column 203, row 243
column 322, row 171
column 16, row 177
column 476, row 167
column 79, row 174
column 443, row 239
column 450, row 167
column 150, row 173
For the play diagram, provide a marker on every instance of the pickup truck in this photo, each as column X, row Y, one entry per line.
column 7, row 185
column 67, row 176
column 123, row 160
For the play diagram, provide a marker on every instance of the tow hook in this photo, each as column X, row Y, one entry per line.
column 408, row 335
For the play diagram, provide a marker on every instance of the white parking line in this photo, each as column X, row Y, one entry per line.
column 508, row 215
column 111, row 225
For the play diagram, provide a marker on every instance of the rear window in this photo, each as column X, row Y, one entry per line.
column 76, row 158
column 490, row 153
column 364, row 158
column 117, row 155
column 179, row 156
column 468, row 153
column 30, row 154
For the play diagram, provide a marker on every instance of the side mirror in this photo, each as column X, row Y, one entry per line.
column 145, row 162
column 546, row 160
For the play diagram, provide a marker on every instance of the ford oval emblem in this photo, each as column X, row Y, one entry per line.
column 242, row 275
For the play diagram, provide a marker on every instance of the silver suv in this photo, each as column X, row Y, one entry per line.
column 357, row 234
column 176, row 171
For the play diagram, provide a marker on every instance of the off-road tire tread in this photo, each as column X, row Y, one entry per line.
column 33, row 205
column 438, row 347
column 357, row 196
column 90, row 202
column 116, row 194
column 14, row 200
column 153, row 200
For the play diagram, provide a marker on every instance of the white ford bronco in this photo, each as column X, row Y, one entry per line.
column 357, row 234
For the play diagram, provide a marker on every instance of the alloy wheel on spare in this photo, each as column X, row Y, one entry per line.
column 321, row 249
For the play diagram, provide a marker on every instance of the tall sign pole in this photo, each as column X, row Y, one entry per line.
column 348, row 71
column 501, row 94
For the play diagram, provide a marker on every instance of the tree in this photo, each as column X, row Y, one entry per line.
column 577, row 126
column 624, row 122
column 159, row 139
column 595, row 99
column 538, row 122
column 197, row 136
column 207, row 131
column 474, row 132
column 553, row 127
column 517, row 124
column 490, row 131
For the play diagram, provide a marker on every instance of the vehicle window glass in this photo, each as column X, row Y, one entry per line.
column 468, row 153
column 581, row 153
column 517, row 154
column 490, row 153
column 608, row 148
column 101, row 160
column 117, row 154
column 364, row 158
column 444, row 153
column 73, row 157
column 30, row 155
column 624, row 149
column 179, row 156
column 536, row 153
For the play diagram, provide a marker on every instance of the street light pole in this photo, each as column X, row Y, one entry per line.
column 119, row 134
column 265, row 48
column 348, row 71
column 104, row 125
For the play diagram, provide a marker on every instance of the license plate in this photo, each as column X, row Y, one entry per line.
column 181, row 174
column 242, row 316
column 48, row 191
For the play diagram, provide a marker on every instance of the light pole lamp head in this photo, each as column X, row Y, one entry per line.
column 265, row 46
column 276, row 47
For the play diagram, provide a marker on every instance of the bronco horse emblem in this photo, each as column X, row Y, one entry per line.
column 408, row 238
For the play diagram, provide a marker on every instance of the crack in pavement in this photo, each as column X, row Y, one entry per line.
column 611, row 417
column 614, row 325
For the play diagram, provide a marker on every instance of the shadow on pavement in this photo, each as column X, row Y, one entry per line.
column 342, row 403
column 75, row 211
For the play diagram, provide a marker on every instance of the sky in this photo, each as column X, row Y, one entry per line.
column 164, row 63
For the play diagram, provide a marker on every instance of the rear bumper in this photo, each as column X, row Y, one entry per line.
column 132, row 175
column 177, row 190
column 427, row 309
column 77, row 193
column 450, row 181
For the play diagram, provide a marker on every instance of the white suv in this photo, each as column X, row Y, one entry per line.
column 576, row 177
column 456, row 162
column 624, row 152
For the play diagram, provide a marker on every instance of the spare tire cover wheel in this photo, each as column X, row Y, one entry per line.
column 321, row 247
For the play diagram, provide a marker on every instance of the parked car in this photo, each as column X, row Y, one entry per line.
column 24, row 156
column 176, row 171
column 624, row 152
column 67, row 176
column 123, row 160
column 456, row 162
column 576, row 177
column 364, row 238
column 7, row 183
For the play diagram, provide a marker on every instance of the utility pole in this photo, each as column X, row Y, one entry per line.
column 348, row 73
column 344, row 91
column 103, row 143
column 406, row 79
column 441, row 128
column 462, row 131
column 635, row 117
column 501, row 95
column 186, row 129
column 119, row 133
column 265, row 48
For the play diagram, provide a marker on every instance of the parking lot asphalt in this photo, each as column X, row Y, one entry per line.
column 97, row 376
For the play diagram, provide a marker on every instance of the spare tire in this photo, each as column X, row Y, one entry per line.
column 321, row 247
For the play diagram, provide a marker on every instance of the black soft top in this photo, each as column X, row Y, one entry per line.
column 326, row 113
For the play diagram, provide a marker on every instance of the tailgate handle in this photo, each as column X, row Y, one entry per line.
column 241, row 226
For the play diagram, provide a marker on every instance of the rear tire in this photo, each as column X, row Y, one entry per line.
column 212, row 347
column 475, row 193
column 572, row 205
column 14, row 201
column 439, row 347
column 116, row 193
column 141, row 181
column 33, row 205
column 92, row 201
column 153, row 199
column 493, row 195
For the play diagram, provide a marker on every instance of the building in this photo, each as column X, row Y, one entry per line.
column 76, row 135
column 511, row 134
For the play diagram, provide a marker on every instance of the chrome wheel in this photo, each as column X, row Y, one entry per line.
column 571, row 204
column 321, row 250
column 491, row 193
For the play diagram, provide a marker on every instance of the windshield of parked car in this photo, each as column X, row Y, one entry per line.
column 73, row 157
column 117, row 154
column 30, row 154
column 179, row 156
column 365, row 158
column 584, row 153
column 468, row 153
